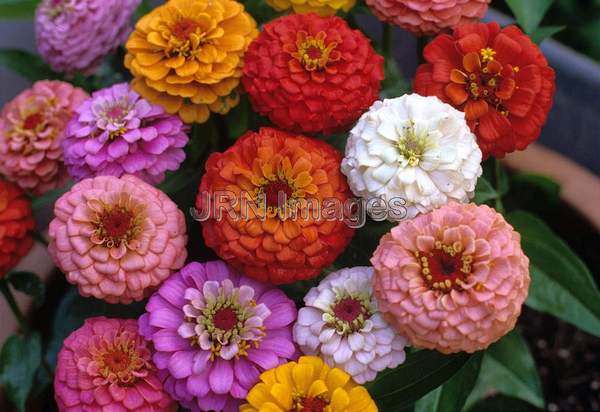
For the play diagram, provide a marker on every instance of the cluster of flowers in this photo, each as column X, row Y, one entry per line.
column 219, row 335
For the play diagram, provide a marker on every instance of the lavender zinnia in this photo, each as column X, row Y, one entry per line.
column 215, row 332
column 116, row 132
column 74, row 35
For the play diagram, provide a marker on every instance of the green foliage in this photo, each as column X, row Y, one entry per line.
column 543, row 32
column 19, row 360
column 28, row 283
column 453, row 394
column 484, row 191
column 422, row 372
column 509, row 368
column 11, row 9
column 394, row 84
column 29, row 65
column 529, row 13
column 562, row 285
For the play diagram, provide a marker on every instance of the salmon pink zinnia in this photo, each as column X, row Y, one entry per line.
column 117, row 238
column 453, row 279
column 107, row 366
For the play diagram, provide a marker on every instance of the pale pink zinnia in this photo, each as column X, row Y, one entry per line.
column 453, row 279
column 428, row 17
column 117, row 238
column 107, row 366
column 32, row 129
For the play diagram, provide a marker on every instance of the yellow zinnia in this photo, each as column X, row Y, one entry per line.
column 322, row 7
column 307, row 385
column 187, row 55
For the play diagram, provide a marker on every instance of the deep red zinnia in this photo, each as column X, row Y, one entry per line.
column 311, row 74
column 498, row 77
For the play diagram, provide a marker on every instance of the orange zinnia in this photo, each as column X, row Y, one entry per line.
column 498, row 77
column 267, row 242
column 187, row 56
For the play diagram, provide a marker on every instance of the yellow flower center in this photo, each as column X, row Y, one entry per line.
column 411, row 146
column 487, row 54
column 313, row 53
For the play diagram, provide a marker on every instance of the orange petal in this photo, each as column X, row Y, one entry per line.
column 506, row 89
column 494, row 67
column 458, row 76
column 475, row 109
column 471, row 62
column 457, row 93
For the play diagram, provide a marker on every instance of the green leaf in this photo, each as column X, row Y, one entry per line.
column 484, row 191
column 28, row 283
column 549, row 187
column 529, row 13
column 394, row 84
column 453, row 394
column 508, row 368
column 364, row 243
column 543, row 32
column 47, row 199
column 500, row 403
column 28, row 65
column 422, row 372
column 562, row 285
column 144, row 8
column 238, row 117
column 11, row 9
column 19, row 360
column 177, row 181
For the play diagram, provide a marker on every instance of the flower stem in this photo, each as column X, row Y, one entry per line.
column 12, row 303
column 387, row 41
column 498, row 175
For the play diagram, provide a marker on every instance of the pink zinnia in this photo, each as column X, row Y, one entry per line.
column 214, row 332
column 427, row 17
column 453, row 279
column 117, row 238
column 116, row 132
column 75, row 35
column 107, row 366
column 32, row 128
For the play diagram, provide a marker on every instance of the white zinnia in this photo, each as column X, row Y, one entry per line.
column 341, row 324
column 415, row 148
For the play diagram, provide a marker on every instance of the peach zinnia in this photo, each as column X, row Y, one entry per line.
column 187, row 55
column 290, row 180
column 117, row 238
column 452, row 280
column 498, row 77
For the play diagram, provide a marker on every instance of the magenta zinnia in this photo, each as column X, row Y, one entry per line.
column 107, row 366
column 116, row 132
column 453, row 279
column 215, row 332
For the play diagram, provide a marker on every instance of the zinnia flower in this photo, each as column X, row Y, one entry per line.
column 453, row 279
column 341, row 324
column 16, row 226
column 308, row 385
column 415, row 150
column 117, row 238
column 32, row 128
column 312, row 74
column 75, row 35
column 426, row 17
column 498, row 77
column 322, row 7
column 106, row 366
column 186, row 55
column 214, row 332
column 116, row 132
column 278, row 185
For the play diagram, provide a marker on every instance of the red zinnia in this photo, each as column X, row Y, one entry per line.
column 498, row 77
column 290, row 179
column 312, row 74
column 16, row 225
